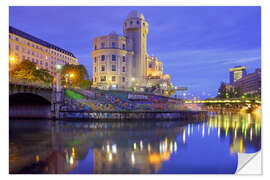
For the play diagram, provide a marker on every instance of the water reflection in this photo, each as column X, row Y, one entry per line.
column 210, row 146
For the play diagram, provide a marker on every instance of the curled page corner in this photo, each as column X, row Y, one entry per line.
column 249, row 163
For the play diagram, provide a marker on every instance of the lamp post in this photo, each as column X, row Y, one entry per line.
column 66, row 78
column 11, row 61
column 58, row 77
column 58, row 91
column 71, row 76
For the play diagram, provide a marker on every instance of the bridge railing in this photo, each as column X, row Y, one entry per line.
column 30, row 83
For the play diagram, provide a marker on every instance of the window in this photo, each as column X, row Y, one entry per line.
column 130, row 22
column 23, row 57
column 17, row 39
column 95, row 60
column 95, row 46
column 102, row 78
column 138, row 22
column 103, row 45
column 113, row 57
column 41, row 62
column 102, row 68
column 113, row 67
column 150, row 65
column 123, row 79
column 46, row 64
column 124, row 58
column 113, row 44
column 124, row 69
column 102, row 58
column 123, row 46
column 113, row 78
column 95, row 69
column 33, row 60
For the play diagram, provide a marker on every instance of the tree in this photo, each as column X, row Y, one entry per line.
column 24, row 70
column 238, row 92
column 222, row 91
column 43, row 75
column 76, row 75
column 27, row 70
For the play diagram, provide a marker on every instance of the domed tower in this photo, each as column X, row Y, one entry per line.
column 135, row 29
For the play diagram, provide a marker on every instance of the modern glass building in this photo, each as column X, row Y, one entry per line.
column 237, row 73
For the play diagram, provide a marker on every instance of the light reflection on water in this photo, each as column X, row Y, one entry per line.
column 175, row 147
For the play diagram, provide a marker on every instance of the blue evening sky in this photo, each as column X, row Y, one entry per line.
column 197, row 45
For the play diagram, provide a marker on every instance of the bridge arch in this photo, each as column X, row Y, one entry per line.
column 28, row 105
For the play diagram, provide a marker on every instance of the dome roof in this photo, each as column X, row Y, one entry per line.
column 113, row 33
column 135, row 14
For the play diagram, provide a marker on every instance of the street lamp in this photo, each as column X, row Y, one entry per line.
column 71, row 76
column 58, row 77
column 12, row 61
column 66, row 77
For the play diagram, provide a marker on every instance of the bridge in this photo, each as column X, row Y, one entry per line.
column 26, row 87
column 30, row 99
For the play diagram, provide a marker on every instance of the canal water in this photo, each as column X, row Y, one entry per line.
column 164, row 147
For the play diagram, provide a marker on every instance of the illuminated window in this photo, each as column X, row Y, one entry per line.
column 102, row 58
column 124, row 69
column 113, row 78
column 124, row 58
column 113, row 67
column 102, row 68
column 113, row 57
column 102, row 78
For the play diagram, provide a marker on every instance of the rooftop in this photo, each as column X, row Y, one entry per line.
column 135, row 14
column 38, row 41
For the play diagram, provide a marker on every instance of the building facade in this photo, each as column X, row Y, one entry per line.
column 251, row 83
column 121, row 61
column 237, row 73
column 23, row 46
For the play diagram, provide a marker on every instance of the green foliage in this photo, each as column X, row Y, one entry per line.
column 233, row 92
column 27, row 70
column 80, row 76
